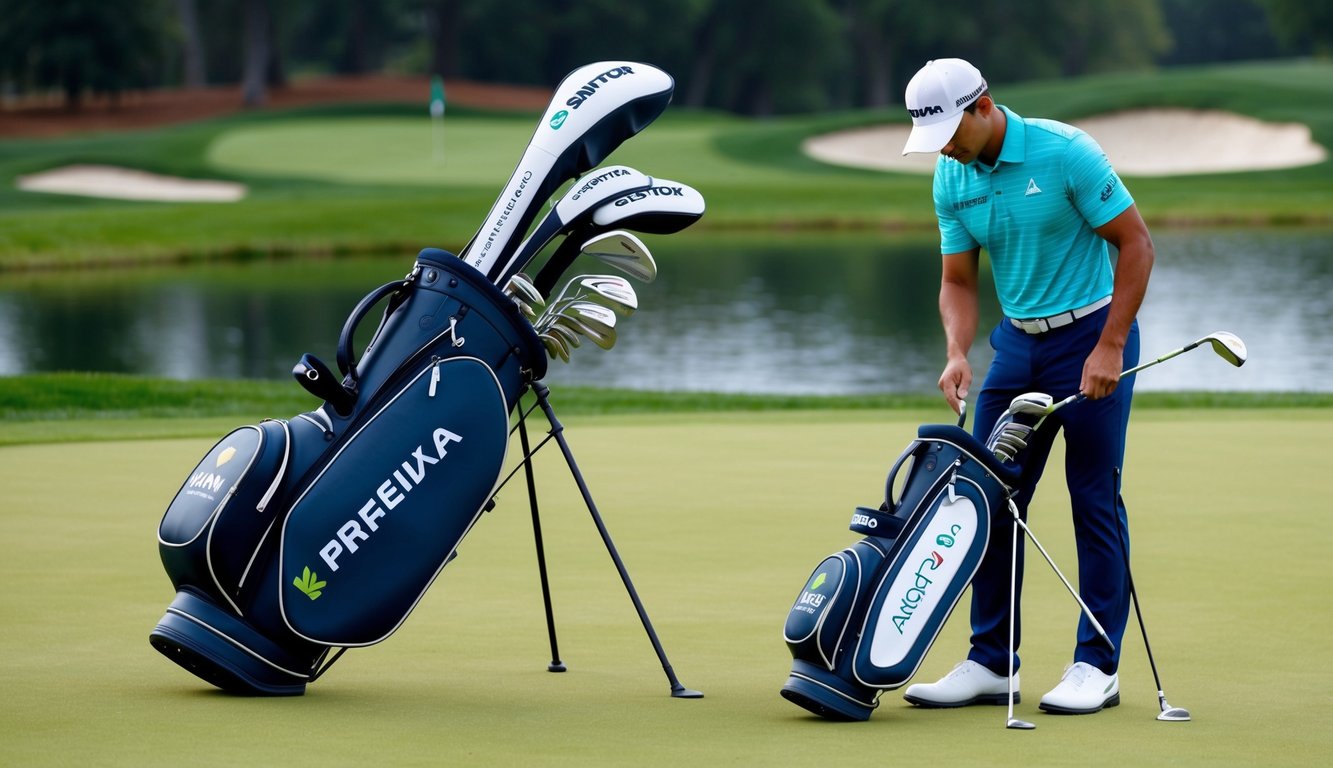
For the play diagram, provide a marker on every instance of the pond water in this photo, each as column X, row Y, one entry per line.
column 802, row 314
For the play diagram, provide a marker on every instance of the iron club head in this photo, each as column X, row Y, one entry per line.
column 555, row 346
column 1033, row 403
column 623, row 251
column 570, row 337
column 1229, row 347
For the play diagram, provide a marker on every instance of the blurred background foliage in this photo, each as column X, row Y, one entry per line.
column 749, row 57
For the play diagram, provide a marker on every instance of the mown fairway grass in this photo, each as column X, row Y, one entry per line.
column 720, row 506
column 720, row 518
column 361, row 178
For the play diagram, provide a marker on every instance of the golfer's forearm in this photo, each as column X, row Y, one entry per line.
column 959, row 315
column 959, row 308
column 1133, row 268
column 1129, row 235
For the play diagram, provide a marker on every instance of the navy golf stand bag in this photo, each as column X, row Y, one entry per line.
column 867, row 615
column 291, row 539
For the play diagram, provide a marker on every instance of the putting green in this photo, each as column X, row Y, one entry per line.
column 376, row 150
column 470, row 150
column 719, row 520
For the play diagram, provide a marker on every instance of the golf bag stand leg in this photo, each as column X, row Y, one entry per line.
column 556, row 665
column 1096, row 625
column 557, row 431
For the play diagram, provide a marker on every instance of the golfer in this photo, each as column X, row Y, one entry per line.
column 1043, row 201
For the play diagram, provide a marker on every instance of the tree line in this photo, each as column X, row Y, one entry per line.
column 752, row 57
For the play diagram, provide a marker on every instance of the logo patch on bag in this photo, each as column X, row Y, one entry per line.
column 918, row 588
column 225, row 456
column 309, row 583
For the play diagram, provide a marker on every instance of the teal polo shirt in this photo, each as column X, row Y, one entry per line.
column 1034, row 212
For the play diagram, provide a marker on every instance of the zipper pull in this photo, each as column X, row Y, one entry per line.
column 953, row 495
column 434, row 375
column 453, row 331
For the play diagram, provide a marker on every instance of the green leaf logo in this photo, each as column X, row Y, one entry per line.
column 818, row 582
column 558, row 119
column 309, row 583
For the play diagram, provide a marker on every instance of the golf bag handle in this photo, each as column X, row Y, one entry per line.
column 890, row 505
column 346, row 356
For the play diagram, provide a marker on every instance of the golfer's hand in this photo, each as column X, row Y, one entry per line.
column 1101, row 371
column 955, row 380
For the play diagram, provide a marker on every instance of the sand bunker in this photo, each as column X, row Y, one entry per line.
column 1155, row 142
column 128, row 184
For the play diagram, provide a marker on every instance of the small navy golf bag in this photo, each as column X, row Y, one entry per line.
column 868, row 614
column 294, row 537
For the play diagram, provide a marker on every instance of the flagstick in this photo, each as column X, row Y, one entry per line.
column 437, row 117
column 437, row 128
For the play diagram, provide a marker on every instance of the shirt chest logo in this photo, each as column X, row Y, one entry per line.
column 1033, row 189
column 963, row 205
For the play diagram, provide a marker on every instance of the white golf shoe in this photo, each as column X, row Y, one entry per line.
column 1083, row 690
column 968, row 683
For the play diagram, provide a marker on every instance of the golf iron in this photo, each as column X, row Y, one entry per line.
column 1167, row 712
column 1225, row 344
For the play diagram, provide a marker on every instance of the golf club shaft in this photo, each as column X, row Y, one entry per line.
column 1133, row 594
column 1013, row 597
column 1162, row 359
column 1225, row 343
column 1086, row 610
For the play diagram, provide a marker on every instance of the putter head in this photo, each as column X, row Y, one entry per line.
column 1229, row 347
column 1019, row 725
column 1170, row 714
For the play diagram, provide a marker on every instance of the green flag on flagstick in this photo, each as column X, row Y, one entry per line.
column 437, row 116
column 436, row 97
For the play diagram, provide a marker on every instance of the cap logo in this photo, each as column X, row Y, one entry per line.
column 924, row 111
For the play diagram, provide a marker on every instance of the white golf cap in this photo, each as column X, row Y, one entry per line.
column 936, row 98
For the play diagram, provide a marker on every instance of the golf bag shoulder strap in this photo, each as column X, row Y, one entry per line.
column 972, row 447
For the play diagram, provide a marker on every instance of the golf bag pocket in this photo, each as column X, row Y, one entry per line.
column 218, row 519
column 370, row 532
column 819, row 621
column 868, row 615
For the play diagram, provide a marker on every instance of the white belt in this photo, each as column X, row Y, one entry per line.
column 1044, row 324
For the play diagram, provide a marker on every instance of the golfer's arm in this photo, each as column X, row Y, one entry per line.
column 1129, row 235
column 958, row 301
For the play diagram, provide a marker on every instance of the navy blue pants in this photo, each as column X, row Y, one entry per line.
column 1094, row 431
